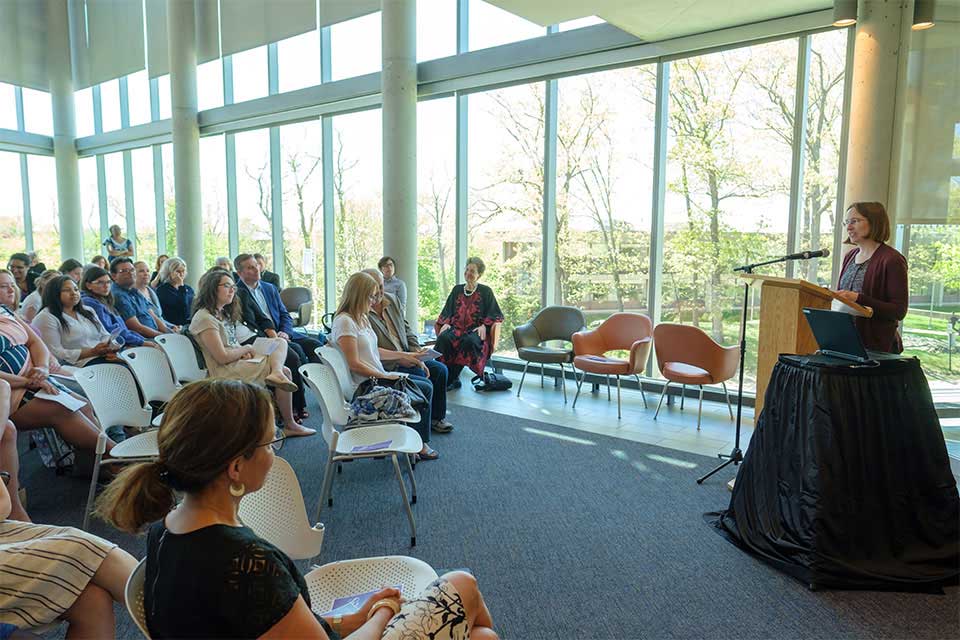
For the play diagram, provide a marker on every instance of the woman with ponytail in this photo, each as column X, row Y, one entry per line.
column 209, row 576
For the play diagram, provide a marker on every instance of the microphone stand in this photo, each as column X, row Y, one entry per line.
column 735, row 457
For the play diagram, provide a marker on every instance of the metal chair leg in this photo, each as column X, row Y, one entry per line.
column 406, row 502
column 727, row 394
column 642, row 394
column 413, row 480
column 662, row 394
column 325, row 488
column 563, row 382
column 608, row 388
column 700, row 408
column 579, row 382
column 525, row 365
column 541, row 375
column 618, row 397
column 683, row 392
column 101, row 447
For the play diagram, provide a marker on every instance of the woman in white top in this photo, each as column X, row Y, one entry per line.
column 352, row 333
column 32, row 304
column 72, row 331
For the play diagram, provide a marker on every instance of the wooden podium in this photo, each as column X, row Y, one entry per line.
column 783, row 329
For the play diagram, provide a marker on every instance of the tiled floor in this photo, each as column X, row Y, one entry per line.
column 674, row 429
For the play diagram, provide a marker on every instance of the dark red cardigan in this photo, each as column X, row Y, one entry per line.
column 885, row 290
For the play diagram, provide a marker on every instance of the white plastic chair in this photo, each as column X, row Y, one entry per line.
column 183, row 358
column 348, row 577
column 322, row 381
column 155, row 374
column 133, row 594
column 112, row 392
column 277, row 514
column 332, row 356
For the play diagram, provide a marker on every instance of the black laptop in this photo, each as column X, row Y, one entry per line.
column 837, row 336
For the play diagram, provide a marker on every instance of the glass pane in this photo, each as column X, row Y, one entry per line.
column 250, row 74
column 11, row 215
column 89, row 208
column 214, row 199
column 83, row 111
column 436, row 218
column 116, row 204
column 254, row 209
column 504, row 221
column 491, row 26
column 357, row 187
column 43, row 209
column 210, row 85
column 604, row 181
column 110, row 105
column 37, row 112
column 8, row 106
column 302, row 179
column 355, row 47
column 169, row 199
column 436, row 29
column 163, row 94
column 728, row 177
column 298, row 61
column 144, row 205
column 138, row 97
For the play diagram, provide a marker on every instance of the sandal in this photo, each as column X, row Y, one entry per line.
column 429, row 454
column 280, row 382
column 298, row 431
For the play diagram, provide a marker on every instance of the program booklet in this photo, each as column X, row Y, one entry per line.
column 351, row 604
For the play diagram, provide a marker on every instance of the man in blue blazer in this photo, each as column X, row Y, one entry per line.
column 267, row 298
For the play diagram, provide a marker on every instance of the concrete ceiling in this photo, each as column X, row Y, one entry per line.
column 653, row 20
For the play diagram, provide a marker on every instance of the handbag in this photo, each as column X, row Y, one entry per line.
column 403, row 384
column 491, row 381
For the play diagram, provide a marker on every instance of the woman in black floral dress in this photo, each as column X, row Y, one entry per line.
column 469, row 325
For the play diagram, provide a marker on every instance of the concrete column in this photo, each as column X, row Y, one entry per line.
column 64, row 132
column 186, row 135
column 399, row 77
column 873, row 102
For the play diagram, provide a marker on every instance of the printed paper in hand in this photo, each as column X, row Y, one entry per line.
column 377, row 446
column 429, row 354
column 350, row 604
column 64, row 398
column 265, row 346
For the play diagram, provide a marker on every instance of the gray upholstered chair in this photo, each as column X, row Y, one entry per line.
column 299, row 304
column 551, row 323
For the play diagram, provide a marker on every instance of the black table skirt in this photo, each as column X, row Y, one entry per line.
column 847, row 483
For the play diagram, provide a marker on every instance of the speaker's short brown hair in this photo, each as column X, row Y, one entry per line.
column 877, row 218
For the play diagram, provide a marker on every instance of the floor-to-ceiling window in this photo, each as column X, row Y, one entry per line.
column 11, row 215
column 214, row 201
column 301, row 176
column 89, row 209
column 43, row 209
column 144, row 204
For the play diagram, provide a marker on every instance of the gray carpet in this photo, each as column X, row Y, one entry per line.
column 569, row 534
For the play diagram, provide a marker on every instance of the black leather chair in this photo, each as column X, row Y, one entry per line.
column 551, row 323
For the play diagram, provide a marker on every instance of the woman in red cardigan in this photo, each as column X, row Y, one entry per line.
column 874, row 275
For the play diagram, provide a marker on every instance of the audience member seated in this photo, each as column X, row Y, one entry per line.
column 224, row 263
column 36, row 266
column 352, row 333
column 116, row 245
column 72, row 268
column 72, row 331
column 141, row 283
column 266, row 275
column 215, row 323
column 50, row 573
column 175, row 295
column 398, row 344
column 391, row 283
column 135, row 310
column 19, row 266
column 10, row 455
column 25, row 363
column 31, row 305
column 100, row 261
column 469, row 324
column 155, row 276
column 95, row 293
column 208, row 575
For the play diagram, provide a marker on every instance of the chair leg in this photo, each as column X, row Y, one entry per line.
column 662, row 394
column 642, row 394
column 101, row 447
column 583, row 375
column 700, row 408
column 618, row 397
column 520, row 388
column 406, row 503
column 727, row 394
column 325, row 488
column 608, row 388
column 413, row 480
column 541, row 375
column 563, row 382
column 683, row 392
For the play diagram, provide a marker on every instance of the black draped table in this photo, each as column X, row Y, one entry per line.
column 847, row 483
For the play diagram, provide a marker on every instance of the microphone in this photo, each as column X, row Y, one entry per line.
column 807, row 255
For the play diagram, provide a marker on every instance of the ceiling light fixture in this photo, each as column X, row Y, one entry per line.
column 922, row 15
column 844, row 13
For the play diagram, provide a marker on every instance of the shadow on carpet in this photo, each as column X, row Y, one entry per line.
column 570, row 535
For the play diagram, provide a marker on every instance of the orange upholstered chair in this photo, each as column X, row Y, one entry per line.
column 620, row 332
column 687, row 355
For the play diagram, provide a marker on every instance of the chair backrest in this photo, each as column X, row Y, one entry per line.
column 293, row 297
column 558, row 323
column 339, row 579
column 113, row 394
column 133, row 594
column 322, row 381
column 622, row 329
column 277, row 514
column 690, row 345
column 153, row 371
column 334, row 357
column 182, row 356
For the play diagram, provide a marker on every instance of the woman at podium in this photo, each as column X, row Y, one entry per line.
column 874, row 275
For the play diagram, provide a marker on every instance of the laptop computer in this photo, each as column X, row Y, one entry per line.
column 837, row 336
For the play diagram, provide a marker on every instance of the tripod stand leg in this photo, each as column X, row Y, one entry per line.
column 736, row 457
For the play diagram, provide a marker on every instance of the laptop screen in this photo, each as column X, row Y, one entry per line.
column 835, row 332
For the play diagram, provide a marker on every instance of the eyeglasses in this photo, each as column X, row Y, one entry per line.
column 228, row 286
column 125, row 270
column 850, row 221
column 277, row 443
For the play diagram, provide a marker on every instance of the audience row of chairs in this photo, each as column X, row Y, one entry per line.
column 685, row 354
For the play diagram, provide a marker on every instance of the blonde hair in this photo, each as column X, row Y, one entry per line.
column 15, row 306
column 356, row 296
column 206, row 425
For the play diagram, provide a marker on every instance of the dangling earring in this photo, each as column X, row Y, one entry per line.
column 237, row 491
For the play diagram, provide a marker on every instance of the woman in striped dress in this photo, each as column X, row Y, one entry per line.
column 50, row 573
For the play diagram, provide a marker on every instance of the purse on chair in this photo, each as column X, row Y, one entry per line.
column 403, row 383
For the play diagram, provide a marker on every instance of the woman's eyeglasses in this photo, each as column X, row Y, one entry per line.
column 277, row 443
column 228, row 286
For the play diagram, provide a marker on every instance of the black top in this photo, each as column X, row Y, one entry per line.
column 217, row 582
column 176, row 303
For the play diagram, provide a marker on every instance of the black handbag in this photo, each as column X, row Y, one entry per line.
column 403, row 383
column 491, row 381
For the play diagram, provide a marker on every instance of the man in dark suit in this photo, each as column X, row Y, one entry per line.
column 388, row 320
column 265, row 296
column 267, row 276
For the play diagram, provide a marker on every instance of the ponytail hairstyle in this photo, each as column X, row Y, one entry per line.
column 206, row 425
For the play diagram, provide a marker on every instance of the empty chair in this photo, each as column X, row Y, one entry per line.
column 347, row 577
column 550, row 323
column 687, row 355
column 375, row 441
column 277, row 514
column 299, row 304
column 182, row 355
column 620, row 332
column 152, row 369
column 133, row 594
